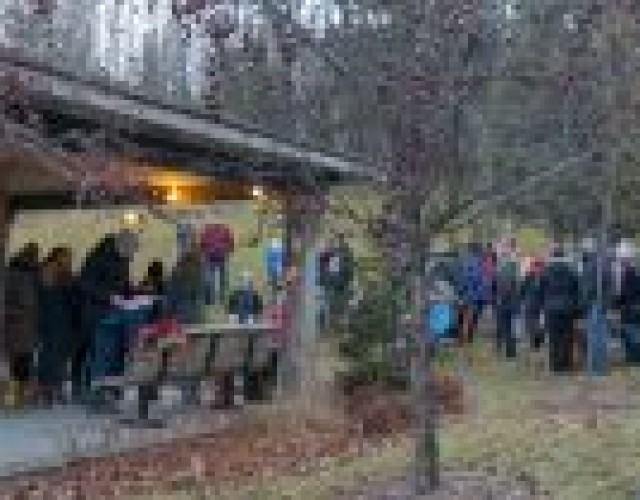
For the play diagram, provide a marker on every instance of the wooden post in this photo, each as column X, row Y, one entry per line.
column 296, row 372
column 4, row 236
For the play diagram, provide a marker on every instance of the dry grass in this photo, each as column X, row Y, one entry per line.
column 570, row 454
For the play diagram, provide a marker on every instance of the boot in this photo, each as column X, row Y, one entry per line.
column 44, row 398
column 12, row 399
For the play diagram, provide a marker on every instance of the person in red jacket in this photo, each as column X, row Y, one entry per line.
column 217, row 244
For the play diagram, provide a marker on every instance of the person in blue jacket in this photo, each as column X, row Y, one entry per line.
column 441, row 304
column 274, row 264
column 471, row 290
column 245, row 302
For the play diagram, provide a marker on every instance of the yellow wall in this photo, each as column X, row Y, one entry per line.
column 82, row 229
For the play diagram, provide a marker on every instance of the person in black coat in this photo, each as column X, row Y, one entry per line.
column 629, row 305
column 560, row 297
column 56, row 322
column 154, row 280
column 105, row 272
column 21, row 313
column 530, row 298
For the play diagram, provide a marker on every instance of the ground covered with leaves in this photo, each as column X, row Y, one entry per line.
column 522, row 436
column 519, row 437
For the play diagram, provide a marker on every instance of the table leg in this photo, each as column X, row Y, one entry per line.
column 146, row 393
column 239, row 386
column 149, row 392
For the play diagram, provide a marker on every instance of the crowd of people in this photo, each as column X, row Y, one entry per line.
column 547, row 294
column 56, row 318
column 52, row 312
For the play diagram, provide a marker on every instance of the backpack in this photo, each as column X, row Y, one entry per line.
column 440, row 320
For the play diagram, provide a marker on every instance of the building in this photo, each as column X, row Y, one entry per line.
column 62, row 125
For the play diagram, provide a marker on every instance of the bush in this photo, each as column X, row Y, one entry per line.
column 367, row 346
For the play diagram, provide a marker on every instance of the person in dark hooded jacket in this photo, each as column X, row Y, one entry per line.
column 21, row 308
column 530, row 298
column 560, row 296
column 105, row 272
column 57, row 325
column 590, row 275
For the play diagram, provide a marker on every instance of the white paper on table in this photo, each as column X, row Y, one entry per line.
column 133, row 303
column 131, row 394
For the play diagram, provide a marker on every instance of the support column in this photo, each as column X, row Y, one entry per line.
column 297, row 374
column 5, row 220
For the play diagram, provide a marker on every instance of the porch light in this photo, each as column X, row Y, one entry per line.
column 257, row 191
column 173, row 196
column 131, row 218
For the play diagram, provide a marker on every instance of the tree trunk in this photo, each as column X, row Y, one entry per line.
column 426, row 459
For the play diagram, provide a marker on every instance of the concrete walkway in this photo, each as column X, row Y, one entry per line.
column 36, row 439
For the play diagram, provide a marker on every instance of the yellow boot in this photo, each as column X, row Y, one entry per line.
column 13, row 395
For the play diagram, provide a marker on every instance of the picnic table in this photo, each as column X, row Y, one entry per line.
column 229, row 328
column 114, row 333
column 239, row 353
column 228, row 349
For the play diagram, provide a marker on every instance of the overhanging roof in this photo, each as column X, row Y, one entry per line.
column 189, row 141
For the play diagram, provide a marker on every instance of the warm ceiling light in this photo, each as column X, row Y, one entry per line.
column 131, row 218
column 257, row 191
column 173, row 195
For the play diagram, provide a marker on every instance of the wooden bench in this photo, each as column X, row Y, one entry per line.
column 262, row 363
column 240, row 358
column 235, row 357
column 188, row 369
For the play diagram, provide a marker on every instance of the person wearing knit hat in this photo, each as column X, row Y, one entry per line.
column 625, row 254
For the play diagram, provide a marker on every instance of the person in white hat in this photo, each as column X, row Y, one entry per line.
column 625, row 254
